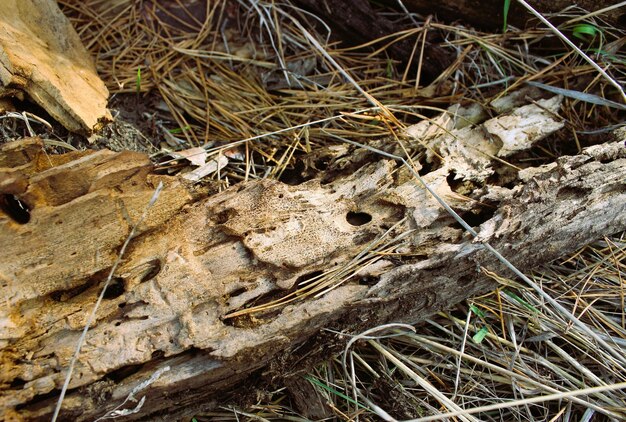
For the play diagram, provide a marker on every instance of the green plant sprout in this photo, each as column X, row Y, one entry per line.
column 138, row 81
column 505, row 12
column 583, row 31
column 482, row 333
column 179, row 130
column 333, row 391
column 520, row 301
column 389, row 69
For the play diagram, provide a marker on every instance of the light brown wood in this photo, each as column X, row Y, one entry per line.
column 179, row 304
column 41, row 56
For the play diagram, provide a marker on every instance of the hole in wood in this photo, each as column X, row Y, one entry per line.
column 115, row 288
column 262, row 317
column 464, row 281
column 571, row 193
column 459, row 186
column 17, row 210
column 153, row 270
column 428, row 167
column 237, row 292
column 293, row 175
column 17, row 383
column 222, row 217
column 358, row 218
column 368, row 280
column 476, row 217
column 67, row 294
column 123, row 372
column 322, row 163
column 39, row 399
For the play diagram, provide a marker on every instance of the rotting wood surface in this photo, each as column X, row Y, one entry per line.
column 180, row 303
column 42, row 56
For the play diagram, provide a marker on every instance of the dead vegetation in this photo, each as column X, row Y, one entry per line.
column 266, row 86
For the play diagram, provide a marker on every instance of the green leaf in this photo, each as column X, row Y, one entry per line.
column 480, row 335
column 333, row 391
column 507, row 5
column 584, row 30
column 138, row 82
column 178, row 130
column 520, row 301
column 477, row 311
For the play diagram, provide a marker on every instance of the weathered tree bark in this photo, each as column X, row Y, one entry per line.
column 183, row 306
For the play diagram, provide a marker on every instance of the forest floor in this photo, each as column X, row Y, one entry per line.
column 268, row 85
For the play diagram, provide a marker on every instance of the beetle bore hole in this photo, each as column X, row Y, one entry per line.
column 238, row 291
column 17, row 210
column 153, row 270
column 358, row 218
column 115, row 288
column 368, row 280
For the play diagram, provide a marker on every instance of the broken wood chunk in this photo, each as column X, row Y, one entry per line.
column 42, row 56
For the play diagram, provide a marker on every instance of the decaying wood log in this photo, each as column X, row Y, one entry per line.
column 41, row 56
column 214, row 287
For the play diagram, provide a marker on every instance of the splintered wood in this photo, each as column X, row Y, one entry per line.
column 213, row 287
column 41, row 56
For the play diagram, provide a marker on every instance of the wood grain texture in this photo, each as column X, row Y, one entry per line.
column 41, row 56
column 178, row 302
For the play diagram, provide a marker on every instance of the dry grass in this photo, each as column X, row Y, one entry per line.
column 241, row 70
column 261, row 82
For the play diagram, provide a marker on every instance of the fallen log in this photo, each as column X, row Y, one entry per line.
column 217, row 285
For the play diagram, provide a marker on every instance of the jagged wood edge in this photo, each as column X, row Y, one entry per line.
column 561, row 207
